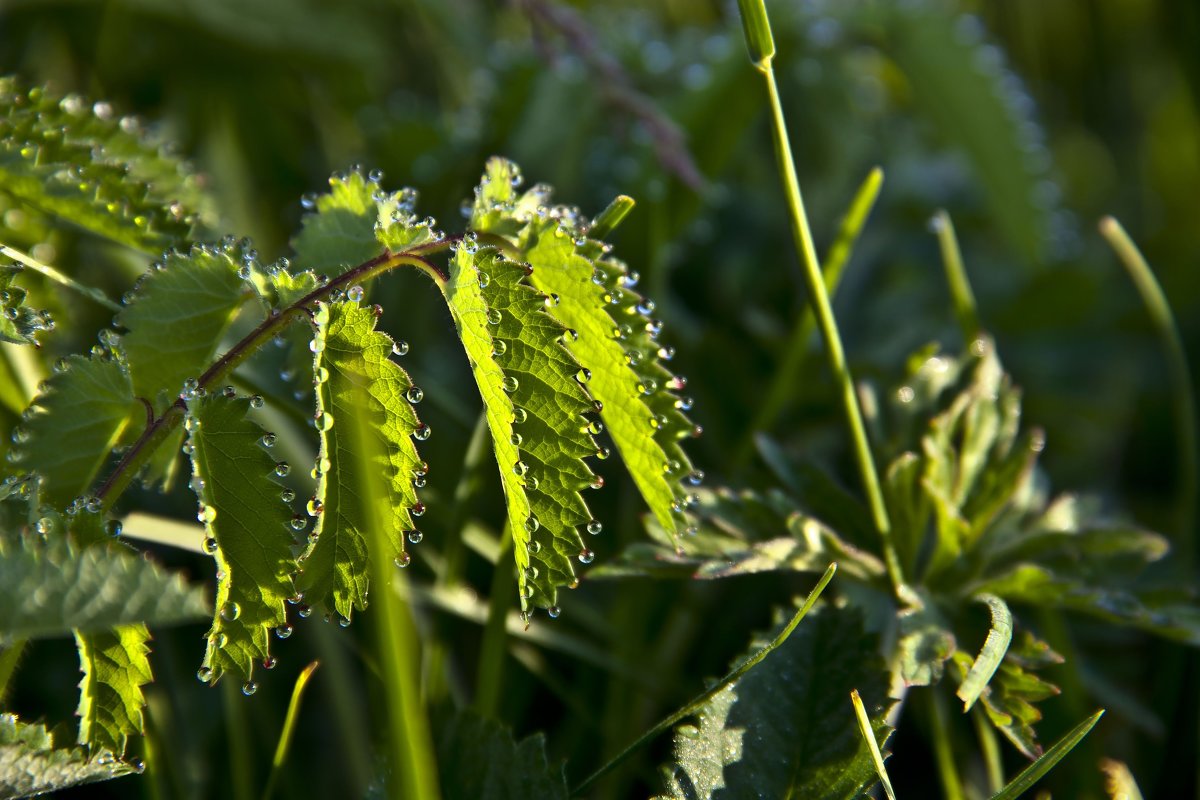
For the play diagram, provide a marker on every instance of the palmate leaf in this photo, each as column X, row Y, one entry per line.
column 611, row 335
column 479, row 760
column 535, row 408
column 115, row 666
column 72, row 425
column 358, row 381
column 30, row 764
column 19, row 323
column 740, row 533
column 177, row 316
column 49, row 593
column 786, row 728
column 72, row 160
column 249, row 533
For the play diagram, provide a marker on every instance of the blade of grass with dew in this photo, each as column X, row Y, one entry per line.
column 706, row 695
column 289, row 727
column 956, row 277
column 787, row 373
column 1031, row 774
column 1183, row 399
column 762, row 50
column 864, row 725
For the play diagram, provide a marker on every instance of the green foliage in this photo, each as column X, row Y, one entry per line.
column 358, row 382
column 535, row 407
column 478, row 758
column 31, row 765
column 249, row 533
column 787, row 728
column 115, row 666
column 19, row 323
column 74, row 161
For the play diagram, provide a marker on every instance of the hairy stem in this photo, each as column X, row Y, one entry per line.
column 160, row 427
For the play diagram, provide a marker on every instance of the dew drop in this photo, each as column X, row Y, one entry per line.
column 519, row 415
column 209, row 545
column 603, row 453
column 552, row 300
column 269, row 662
column 695, row 477
column 282, row 468
column 554, row 612
column 267, row 440
column 113, row 527
column 499, row 348
column 586, row 556
column 354, row 294
column 299, row 523
column 400, row 348
column 204, row 674
column 403, row 560
column 594, row 527
column 418, row 510
column 516, row 439
column 230, row 612
column 283, row 631
column 684, row 403
column 532, row 524
column 249, row 688
column 484, row 278
column 206, row 514
column 509, row 384
column 422, row 432
column 414, row 394
column 415, row 536
column 583, row 375
column 287, row 495
column 520, row 468
column 597, row 482
column 304, row 612
column 494, row 316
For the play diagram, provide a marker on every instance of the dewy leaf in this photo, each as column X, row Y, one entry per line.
column 19, row 323
column 73, row 424
column 178, row 315
column 535, row 407
column 31, row 765
column 356, row 379
column 356, row 221
column 115, row 666
column 71, row 159
column 478, row 760
column 994, row 647
column 611, row 333
column 741, row 533
column 249, row 533
column 50, row 593
column 786, row 729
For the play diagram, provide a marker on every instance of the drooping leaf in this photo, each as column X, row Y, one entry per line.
column 479, row 760
column 740, row 533
column 73, row 424
column 994, row 648
column 19, row 323
column 115, row 666
column 31, row 765
column 611, row 333
column 70, row 159
column 60, row 588
column 177, row 316
column 786, row 728
column 358, row 380
column 249, row 533
column 535, row 407
column 356, row 221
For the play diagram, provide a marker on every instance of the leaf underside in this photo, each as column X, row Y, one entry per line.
column 31, row 765
column 787, row 728
column 249, row 531
column 115, row 666
column 358, row 383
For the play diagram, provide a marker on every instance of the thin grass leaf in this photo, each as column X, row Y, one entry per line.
column 1031, row 774
column 249, row 532
column 868, row 733
column 289, row 727
column 995, row 646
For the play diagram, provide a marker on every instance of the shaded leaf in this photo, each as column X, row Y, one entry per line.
column 535, row 409
column 19, row 323
column 73, row 424
column 925, row 643
column 786, row 728
column 30, row 764
column 358, row 381
column 249, row 533
column 479, row 760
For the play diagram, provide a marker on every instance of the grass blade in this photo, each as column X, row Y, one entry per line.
column 864, row 724
column 289, row 727
column 1031, row 774
column 956, row 277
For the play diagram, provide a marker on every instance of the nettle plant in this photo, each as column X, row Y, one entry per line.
column 560, row 343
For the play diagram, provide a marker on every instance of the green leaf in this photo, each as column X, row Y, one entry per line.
column 479, row 760
column 741, row 533
column 356, row 221
column 249, row 533
column 71, row 427
column 19, row 323
column 999, row 636
column 786, row 728
column 925, row 642
column 70, row 159
column 178, row 316
column 358, row 381
column 115, row 666
column 1009, row 697
column 611, row 334
column 60, row 588
column 31, row 765
column 1031, row 774
column 535, row 408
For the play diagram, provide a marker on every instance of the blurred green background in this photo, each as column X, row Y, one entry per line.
column 1026, row 120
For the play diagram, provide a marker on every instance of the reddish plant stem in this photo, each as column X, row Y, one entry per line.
column 158, row 428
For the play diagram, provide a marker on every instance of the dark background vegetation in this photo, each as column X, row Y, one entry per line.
column 1026, row 120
